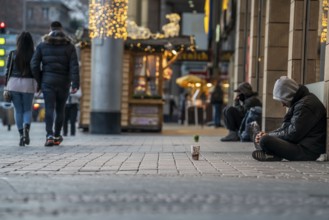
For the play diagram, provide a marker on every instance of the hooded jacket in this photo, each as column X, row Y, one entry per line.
column 305, row 121
column 284, row 90
column 59, row 61
column 249, row 98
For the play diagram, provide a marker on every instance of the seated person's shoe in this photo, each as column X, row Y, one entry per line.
column 262, row 156
column 58, row 140
column 49, row 141
column 232, row 136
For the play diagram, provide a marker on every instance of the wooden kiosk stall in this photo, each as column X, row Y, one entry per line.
column 142, row 78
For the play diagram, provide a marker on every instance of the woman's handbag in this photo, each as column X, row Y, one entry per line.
column 6, row 94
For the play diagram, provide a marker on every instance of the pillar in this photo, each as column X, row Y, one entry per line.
column 107, row 36
column 275, row 59
column 241, row 41
column 256, row 53
column 303, row 41
column 326, row 86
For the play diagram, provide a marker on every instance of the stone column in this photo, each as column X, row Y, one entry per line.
column 326, row 86
column 106, row 68
column 303, row 41
column 275, row 59
column 107, row 30
column 256, row 51
column 242, row 32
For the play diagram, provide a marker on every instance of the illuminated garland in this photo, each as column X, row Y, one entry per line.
column 107, row 18
column 324, row 21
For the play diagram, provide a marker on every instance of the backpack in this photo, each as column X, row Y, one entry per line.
column 254, row 114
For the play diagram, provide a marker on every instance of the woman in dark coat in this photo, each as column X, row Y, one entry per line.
column 21, row 84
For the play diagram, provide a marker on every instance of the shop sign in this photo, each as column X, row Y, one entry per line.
column 194, row 56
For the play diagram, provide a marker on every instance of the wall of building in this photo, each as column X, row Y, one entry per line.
column 14, row 16
column 291, row 46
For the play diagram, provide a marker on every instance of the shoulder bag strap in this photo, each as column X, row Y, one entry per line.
column 10, row 67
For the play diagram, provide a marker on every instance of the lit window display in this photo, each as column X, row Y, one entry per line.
column 146, row 76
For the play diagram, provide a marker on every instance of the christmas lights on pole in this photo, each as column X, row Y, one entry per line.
column 107, row 18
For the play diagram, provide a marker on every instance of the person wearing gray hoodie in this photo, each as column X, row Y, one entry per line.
column 302, row 135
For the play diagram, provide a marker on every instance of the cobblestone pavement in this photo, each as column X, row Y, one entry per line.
column 151, row 175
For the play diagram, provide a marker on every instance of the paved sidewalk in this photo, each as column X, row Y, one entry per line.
column 147, row 154
column 152, row 176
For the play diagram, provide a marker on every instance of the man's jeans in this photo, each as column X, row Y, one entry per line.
column 55, row 99
column 23, row 108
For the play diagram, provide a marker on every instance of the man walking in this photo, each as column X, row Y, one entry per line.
column 59, row 72
column 217, row 101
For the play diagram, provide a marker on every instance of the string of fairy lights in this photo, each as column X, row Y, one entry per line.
column 107, row 18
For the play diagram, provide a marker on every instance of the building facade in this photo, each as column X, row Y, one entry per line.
column 34, row 15
column 275, row 38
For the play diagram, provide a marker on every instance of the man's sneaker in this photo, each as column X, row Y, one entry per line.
column 58, row 140
column 262, row 156
column 49, row 141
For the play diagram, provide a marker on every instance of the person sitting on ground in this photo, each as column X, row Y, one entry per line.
column 302, row 135
column 233, row 115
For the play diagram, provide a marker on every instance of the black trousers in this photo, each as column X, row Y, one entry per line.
column 284, row 149
column 71, row 113
column 232, row 118
column 55, row 99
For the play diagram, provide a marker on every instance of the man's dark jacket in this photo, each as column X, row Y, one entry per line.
column 305, row 122
column 59, row 62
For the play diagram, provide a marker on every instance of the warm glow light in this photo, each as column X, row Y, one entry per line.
column 324, row 21
column 174, row 52
column 2, row 40
column 107, row 18
column 198, row 85
column 36, row 106
column 206, row 16
column 209, row 85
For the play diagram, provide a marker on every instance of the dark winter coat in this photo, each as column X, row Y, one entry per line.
column 15, row 72
column 217, row 95
column 305, row 122
column 59, row 61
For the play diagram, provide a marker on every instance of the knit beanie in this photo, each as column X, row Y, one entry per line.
column 244, row 88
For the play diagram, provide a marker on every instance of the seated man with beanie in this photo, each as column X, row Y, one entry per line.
column 302, row 135
column 233, row 115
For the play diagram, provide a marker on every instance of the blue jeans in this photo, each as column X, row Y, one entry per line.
column 23, row 108
column 55, row 99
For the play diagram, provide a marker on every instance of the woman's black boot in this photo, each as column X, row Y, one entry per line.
column 26, row 134
column 21, row 140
